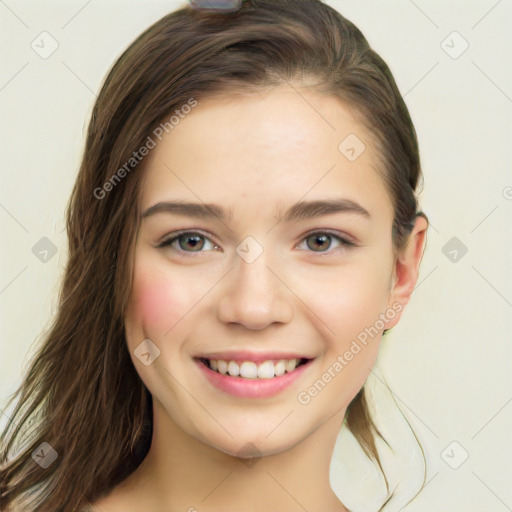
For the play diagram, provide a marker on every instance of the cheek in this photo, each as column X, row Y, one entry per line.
column 354, row 302
column 351, row 310
column 155, row 306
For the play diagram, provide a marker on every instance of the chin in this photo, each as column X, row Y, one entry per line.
column 251, row 447
column 257, row 441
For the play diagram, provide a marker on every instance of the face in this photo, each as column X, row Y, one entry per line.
column 270, row 248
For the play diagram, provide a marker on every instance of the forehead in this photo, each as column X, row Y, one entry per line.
column 270, row 147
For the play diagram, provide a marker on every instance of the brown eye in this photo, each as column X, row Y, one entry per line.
column 321, row 242
column 188, row 242
column 192, row 242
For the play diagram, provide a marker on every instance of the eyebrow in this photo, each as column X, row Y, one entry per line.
column 298, row 211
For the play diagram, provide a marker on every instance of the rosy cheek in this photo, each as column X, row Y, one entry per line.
column 155, row 304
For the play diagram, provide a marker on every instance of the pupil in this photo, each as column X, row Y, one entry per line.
column 193, row 242
column 321, row 240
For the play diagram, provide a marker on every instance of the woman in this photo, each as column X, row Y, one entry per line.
column 242, row 231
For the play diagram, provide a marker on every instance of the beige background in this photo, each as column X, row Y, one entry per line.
column 448, row 362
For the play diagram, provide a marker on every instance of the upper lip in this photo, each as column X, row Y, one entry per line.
column 256, row 357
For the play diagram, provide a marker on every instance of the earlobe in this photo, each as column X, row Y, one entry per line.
column 407, row 264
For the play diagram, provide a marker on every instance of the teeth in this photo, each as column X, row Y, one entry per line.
column 233, row 369
column 251, row 370
column 290, row 365
column 266, row 370
column 248, row 370
column 222, row 366
column 279, row 368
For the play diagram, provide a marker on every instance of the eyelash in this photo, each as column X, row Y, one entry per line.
column 344, row 242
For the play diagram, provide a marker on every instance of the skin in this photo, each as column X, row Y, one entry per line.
column 258, row 154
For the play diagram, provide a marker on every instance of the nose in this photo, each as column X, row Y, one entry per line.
column 254, row 296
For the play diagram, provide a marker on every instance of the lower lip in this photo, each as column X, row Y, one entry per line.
column 252, row 388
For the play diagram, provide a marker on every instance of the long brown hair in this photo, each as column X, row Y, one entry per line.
column 81, row 394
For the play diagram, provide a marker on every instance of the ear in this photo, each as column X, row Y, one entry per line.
column 406, row 268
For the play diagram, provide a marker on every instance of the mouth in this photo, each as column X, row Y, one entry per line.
column 269, row 369
column 249, row 376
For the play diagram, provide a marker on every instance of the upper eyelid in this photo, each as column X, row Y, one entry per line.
column 176, row 234
column 167, row 240
column 334, row 233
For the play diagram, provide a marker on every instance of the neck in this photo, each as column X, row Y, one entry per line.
column 183, row 473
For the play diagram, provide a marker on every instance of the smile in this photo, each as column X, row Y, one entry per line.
column 248, row 376
column 251, row 370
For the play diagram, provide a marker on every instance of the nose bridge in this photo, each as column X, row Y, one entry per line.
column 254, row 278
column 254, row 297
